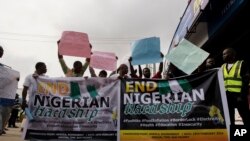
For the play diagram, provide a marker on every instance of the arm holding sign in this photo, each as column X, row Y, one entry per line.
column 77, row 70
column 64, row 67
column 92, row 72
column 140, row 71
column 132, row 70
column 87, row 61
column 158, row 74
column 86, row 64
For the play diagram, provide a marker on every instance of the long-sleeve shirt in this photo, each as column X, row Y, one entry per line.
column 70, row 72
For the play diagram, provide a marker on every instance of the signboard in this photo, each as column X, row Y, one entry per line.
column 154, row 110
column 103, row 60
column 187, row 57
column 146, row 51
column 74, row 44
column 73, row 109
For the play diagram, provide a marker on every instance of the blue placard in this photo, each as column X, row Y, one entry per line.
column 146, row 51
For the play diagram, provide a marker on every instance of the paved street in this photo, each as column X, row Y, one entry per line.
column 13, row 134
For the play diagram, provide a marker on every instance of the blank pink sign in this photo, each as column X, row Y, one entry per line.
column 103, row 60
column 74, row 44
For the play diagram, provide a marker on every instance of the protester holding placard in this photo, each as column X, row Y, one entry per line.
column 102, row 73
column 105, row 61
column 77, row 70
column 133, row 71
column 147, row 74
column 147, row 51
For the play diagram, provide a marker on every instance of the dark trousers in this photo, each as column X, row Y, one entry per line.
column 236, row 100
column 13, row 118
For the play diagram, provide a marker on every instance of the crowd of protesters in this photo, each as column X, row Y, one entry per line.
column 235, row 73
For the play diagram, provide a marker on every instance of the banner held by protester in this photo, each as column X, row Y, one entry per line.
column 151, row 110
column 85, row 115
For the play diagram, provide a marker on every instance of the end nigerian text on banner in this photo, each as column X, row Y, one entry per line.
column 188, row 108
column 74, row 109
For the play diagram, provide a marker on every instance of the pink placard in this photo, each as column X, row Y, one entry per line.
column 74, row 44
column 103, row 60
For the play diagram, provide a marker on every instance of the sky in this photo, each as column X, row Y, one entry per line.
column 29, row 29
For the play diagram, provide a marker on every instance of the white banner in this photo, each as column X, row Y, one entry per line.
column 74, row 109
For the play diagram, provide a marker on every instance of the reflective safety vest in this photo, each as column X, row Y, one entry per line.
column 232, row 78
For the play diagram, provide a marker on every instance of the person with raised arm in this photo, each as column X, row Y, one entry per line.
column 77, row 70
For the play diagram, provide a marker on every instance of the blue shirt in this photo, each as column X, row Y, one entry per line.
column 7, row 102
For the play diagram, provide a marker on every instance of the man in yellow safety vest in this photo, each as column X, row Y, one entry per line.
column 236, row 80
